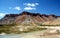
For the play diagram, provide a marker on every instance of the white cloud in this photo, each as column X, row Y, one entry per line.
column 16, row 8
column 2, row 14
column 36, row 3
column 29, row 8
column 31, row 4
column 27, row 4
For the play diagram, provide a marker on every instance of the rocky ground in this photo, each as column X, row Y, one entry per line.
column 36, row 34
column 40, row 34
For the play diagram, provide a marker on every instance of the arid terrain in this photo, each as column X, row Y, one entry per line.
column 30, row 25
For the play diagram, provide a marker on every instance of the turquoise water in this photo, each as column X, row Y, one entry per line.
column 10, row 36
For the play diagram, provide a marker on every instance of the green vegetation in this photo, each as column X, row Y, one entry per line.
column 12, row 29
column 6, row 28
column 48, row 25
column 34, row 29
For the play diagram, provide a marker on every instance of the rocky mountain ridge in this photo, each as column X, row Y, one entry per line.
column 26, row 17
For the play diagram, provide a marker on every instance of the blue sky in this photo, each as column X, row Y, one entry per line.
column 37, row 6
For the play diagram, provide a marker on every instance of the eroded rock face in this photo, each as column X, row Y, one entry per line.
column 27, row 17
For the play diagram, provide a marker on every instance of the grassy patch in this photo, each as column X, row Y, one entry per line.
column 7, row 28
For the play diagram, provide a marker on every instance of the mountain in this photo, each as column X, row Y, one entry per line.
column 30, row 18
column 54, row 22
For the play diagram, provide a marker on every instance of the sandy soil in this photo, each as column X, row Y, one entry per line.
column 39, row 34
column 36, row 34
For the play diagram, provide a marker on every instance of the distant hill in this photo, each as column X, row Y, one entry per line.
column 27, row 17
